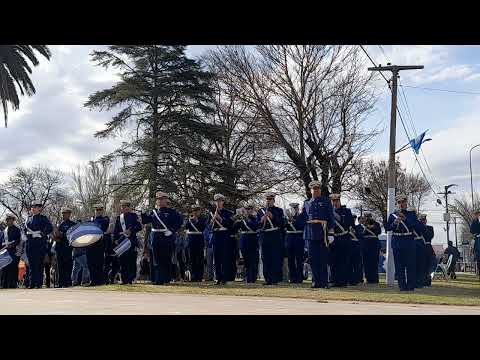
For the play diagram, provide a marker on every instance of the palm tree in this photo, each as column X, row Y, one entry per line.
column 14, row 69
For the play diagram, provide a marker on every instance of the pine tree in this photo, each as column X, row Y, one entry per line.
column 163, row 98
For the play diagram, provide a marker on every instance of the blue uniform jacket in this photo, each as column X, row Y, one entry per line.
column 102, row 221
column 278, row 218
column 131, row 222
column 226, row 222
column 317, row 209
column 171, row 218
column 428, row 233
column 369, row 238
column 14, row 234
column 62, row 246
column 345, row 219
column 252, row 222
column 39, row 223
column 200, row 225
column 411, row 223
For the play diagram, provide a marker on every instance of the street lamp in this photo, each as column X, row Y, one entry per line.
column 471, row 176
column 446, row 216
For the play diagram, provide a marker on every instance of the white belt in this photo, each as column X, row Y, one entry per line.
column 419, row 238
column 233, row 236
column 159, row 230
column 35, row 234
column 220, row 229
column 194, row 233
column 248, row 232
column 271, row 229
column 295, row 232
column 341, row 234
column 402, row 234
column 355, row 240
column 370, row 237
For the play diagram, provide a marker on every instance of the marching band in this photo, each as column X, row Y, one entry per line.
column 323, row 233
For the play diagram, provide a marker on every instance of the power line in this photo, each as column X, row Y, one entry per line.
column 383, row 52
column 444, row 90
column 373, row 62
column 403, row 123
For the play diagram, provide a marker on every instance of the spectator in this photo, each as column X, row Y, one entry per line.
column 452, row 250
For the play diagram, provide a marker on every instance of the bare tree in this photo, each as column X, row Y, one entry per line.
column 370, row 188
column 28, row 184
column 462, row 207
column 313, row 100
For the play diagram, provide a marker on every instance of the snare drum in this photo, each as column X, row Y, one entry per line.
column 124, row 245
column 5, row 258
column 84, row 234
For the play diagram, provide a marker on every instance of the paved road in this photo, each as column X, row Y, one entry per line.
column 92, row 302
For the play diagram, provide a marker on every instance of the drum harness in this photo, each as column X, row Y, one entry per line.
column 405, row 226
column 165, row 229
column 34, row 234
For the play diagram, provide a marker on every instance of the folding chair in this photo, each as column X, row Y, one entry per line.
column 441, row 269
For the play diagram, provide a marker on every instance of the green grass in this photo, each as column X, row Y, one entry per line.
column 463, row 291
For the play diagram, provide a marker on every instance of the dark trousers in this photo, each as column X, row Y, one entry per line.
column 196, row 246
column 36, row 250
column 404, row 258
column 112, row 267
column 10, row 273
column 318, row 257
column 96, row 261
column 371, row 254
column 272, row 256
column 340, row 250
column 221, row 255
column 250, row 256
column 420, row 265
column 64, row 266
column 428, row 265
column 128, row 265
column 295, row 252
column 232, row 250
column 162, row 258
column 355, row 264
column 47, row 266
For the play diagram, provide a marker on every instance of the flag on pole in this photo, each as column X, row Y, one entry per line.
column 417, row 142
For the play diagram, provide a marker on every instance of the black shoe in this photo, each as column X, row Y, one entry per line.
column 315, row 286
column 224, row 282
column 267, row 283
column 218, row 282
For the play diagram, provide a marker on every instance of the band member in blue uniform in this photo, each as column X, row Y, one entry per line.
column 221, row 223
column 428, row 234
column 272, row 223
column 420, row 266
column 355, row 269
column 127, row 225
column 195, row 227
column 247, row 226
column 295, row 244
column 317, row 213
column 38, row 228
column 475, row 230
column 402, row 222
column 166, row 221
column 64, row 250
column 370, row 247
column 96, row 251
column 342, row 245
column 11, row 240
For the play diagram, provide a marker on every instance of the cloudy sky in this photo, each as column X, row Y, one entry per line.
column 53, row 128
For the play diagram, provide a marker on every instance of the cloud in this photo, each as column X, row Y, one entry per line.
column 52, row 127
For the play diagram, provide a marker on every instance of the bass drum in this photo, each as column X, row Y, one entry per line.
column 84, row 234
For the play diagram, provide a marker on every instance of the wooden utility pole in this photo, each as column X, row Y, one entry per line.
column 395, row 69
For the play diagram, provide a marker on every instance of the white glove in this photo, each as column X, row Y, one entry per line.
column 330, row 239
